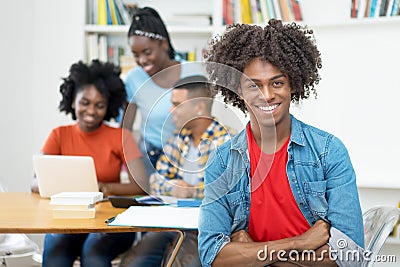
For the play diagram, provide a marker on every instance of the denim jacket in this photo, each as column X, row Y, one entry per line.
column 320, row 175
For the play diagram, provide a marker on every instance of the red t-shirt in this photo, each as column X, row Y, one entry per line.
column 108, row 146
column 274, row 213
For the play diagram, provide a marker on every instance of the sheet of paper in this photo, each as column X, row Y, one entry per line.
column 158, row 216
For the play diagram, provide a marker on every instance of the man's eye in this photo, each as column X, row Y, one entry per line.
column 252, row 85
column 278, row 84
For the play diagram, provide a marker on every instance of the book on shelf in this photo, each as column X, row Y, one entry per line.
column 383, row 8
column 195, row 54
column 74, row 214
column 256, row 11
column 108, row 12
column 395, row 8
column 113, row 13
column 271, row 9
column 114, row 53
column 353, row 10
column 260, row 11
column 237, row 11
column 285, row 10
column 374, row 8
column 295, row 6
column 389, row 8
column 125, row 16
column 90, row 12
column 71, row 198
column 264, row 11
column 246, row 11
column 227, row 12
column 101, row 12
column 103, row 48
column 92, row 46
column 362, row 5
column 277, row 9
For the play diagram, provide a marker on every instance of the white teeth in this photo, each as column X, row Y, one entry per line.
column 268, row 108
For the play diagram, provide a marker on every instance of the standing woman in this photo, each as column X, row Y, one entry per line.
column 94, row 94
column 148, row 85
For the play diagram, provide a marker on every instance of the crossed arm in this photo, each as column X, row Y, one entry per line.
column 243, row 251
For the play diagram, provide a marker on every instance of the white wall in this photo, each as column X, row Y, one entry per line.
column 16, row 79
column 40, row 40
column 358, row 96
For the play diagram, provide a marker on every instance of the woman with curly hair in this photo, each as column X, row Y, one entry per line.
column 280, row 187
column 93, row 94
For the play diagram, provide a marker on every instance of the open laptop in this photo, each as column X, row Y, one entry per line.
column 57, row 174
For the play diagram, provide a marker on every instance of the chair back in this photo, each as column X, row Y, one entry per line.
column 378, row 223
column 15, row 245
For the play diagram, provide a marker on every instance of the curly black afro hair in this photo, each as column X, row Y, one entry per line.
column 290, row 47
column 104, row 76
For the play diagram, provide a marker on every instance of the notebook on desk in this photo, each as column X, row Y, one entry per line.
column 56, row 174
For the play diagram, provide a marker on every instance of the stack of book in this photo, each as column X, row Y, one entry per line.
column 77, row 205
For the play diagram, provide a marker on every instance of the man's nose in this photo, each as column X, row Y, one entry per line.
column 267, row 92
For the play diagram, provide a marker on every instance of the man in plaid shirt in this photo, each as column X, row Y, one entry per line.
column 180, row 169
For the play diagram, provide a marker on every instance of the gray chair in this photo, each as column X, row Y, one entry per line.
column 15, row 245
column 378, row 223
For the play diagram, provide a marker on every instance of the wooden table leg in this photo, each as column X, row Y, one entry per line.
column 178, row 244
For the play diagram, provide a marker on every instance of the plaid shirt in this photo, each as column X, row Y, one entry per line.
column 169, row 165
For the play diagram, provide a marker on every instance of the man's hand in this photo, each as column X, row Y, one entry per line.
column 182, row 189
column 313, row 238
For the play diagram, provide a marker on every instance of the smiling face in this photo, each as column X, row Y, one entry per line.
column 90, row 108
column 151, row 55
column 267, row 94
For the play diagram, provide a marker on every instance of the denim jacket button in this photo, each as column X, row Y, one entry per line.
column 301, row 203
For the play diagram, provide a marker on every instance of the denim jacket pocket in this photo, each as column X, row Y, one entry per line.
column 315, row 195
column 236, row 203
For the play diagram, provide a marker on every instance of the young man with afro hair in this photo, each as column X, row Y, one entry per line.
column 281, row 192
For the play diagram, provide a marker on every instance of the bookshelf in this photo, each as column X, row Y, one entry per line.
column 191, row 24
